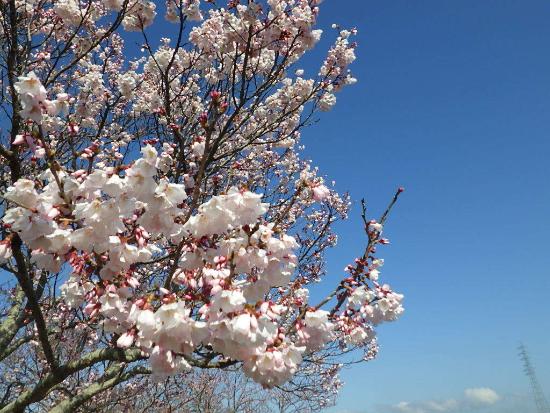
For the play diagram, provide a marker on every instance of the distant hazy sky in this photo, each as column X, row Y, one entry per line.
column 453, row 103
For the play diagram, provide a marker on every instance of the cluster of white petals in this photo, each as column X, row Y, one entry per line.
column 141, row 14
column 225, row 212
column 317, row 329
column 34, row 98
column 274, row 367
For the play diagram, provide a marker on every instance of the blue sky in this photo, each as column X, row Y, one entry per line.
column 453, row 103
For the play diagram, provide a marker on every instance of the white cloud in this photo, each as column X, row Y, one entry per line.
column 426, row 407
column 473, row 399
column 482, row 395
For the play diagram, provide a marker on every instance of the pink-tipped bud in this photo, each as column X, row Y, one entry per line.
column 126, row 340
column 19, row 140
column 140, row 303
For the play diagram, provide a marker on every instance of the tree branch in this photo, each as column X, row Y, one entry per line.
column 113, row 375
column 52, row 379
column 26, row 284
column 11, row 325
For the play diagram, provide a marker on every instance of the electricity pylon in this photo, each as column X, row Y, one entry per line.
column 540, row 400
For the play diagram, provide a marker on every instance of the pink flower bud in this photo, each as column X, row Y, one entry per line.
column 126, row 340
column 19, row 140
column 140, row 303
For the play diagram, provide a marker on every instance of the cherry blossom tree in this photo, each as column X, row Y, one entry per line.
column 158, row 218
column 216, row 391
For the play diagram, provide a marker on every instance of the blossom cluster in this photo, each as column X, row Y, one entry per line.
column 229, row 263
column 168, row 192
column 34, row 99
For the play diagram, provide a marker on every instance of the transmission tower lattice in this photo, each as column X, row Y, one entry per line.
column 540, row 400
